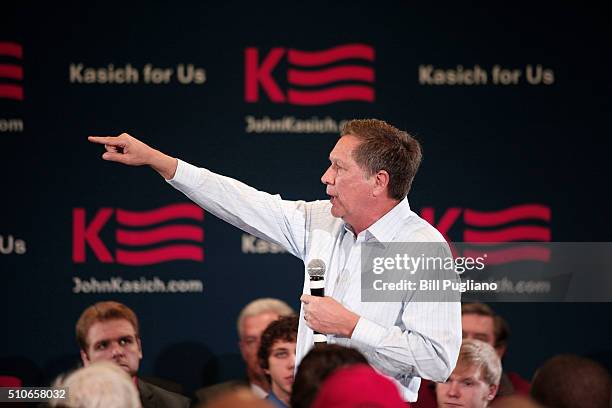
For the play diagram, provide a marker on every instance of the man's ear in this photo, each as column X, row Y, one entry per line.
column 381, row 183
column 85, row 358
column 492, row 392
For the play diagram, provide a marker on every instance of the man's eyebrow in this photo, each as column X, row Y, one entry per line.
column 125, row 336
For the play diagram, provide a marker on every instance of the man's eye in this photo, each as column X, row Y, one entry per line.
column 468, row 383
column 101, row 345
column 125, row 341
column 281, row 354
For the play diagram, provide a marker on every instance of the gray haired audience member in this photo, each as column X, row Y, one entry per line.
column 316, row 366
column 99, row 385
column 252, row 321
column 569, row 381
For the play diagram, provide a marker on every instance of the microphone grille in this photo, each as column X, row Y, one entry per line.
column 316, row 267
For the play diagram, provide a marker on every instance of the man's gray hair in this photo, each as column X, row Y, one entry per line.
column 99, row 385
column 263, row 305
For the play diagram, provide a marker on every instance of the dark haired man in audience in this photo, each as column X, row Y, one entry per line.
column 252, row 321
column 320, row 363
column 277, row 358
column 109, row 331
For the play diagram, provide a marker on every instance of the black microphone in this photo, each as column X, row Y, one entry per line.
column 316, row 270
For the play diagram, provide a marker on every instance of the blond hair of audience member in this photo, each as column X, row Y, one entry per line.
column 99, row 385
column 475, row 380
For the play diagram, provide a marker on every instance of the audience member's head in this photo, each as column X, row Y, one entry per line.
column 277, row 355
column 480, row 322
column 358, row 385
column 108, row 331
column 316, row 366
column 252, row 321
column 568, row 381
column 99, row 385
column 475, row 379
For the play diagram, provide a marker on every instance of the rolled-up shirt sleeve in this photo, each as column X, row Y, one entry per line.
column 428, row 346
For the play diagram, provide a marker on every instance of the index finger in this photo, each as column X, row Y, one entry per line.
column 106, row 140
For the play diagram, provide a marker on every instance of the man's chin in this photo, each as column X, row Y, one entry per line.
column 335, row 212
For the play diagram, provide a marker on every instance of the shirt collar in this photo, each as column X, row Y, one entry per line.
column 386, row 227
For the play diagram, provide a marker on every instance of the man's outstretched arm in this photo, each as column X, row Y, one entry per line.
column 261, row 214
column 131, row 151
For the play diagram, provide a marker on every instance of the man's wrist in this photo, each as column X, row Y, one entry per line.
column 352, row 321
column 164, row 164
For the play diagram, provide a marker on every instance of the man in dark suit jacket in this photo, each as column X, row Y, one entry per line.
column 108, row 331
column 152, row 396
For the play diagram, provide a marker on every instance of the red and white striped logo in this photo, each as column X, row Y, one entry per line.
column 11, row 71
column 524, row 225
column 170, row 233
column 338, row 74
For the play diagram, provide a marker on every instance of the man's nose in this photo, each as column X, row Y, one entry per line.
column 116, row 350
column 453, row 389
column 326, row 178
column 292, row 362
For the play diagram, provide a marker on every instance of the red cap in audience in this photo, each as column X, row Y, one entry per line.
column 358, row 385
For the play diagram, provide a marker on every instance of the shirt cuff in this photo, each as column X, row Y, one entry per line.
column 186, row 174
column 369, row 333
